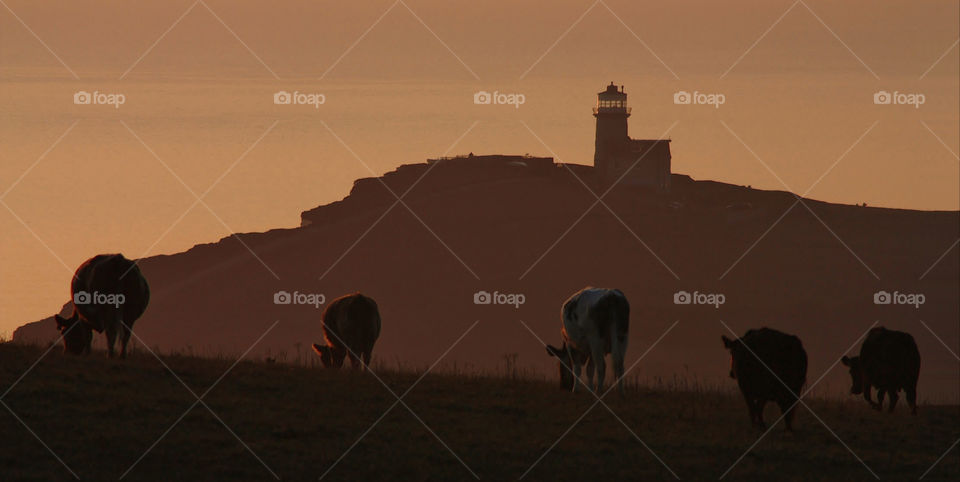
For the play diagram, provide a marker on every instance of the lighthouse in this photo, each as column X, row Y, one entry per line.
column 617, row 158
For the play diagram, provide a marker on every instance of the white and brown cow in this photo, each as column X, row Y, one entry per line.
column 351, row 326
column 596, row 321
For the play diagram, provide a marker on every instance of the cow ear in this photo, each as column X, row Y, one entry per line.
column 726, row 341
column 845, row 360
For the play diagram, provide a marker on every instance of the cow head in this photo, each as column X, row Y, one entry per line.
column 856, row 373
column 566, row 356
column 735, row 347
column 77, row 335
column 331, row 357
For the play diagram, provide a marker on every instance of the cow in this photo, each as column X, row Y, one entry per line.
column 890, row 361
column 109, row 293
column 351, row 326
column 768, row 365
column 595, row 322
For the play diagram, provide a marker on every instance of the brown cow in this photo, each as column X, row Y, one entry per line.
column 769, row 366
column 890, row 361
column 351, row 326
column 109, row 293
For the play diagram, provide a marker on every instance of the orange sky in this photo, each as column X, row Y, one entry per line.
column 399, row 78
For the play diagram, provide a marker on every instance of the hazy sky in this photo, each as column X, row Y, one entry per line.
column 199, row 119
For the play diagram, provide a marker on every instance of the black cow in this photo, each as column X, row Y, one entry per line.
column 890, row 361
column 769, row 366
column 351, row 326
column 109, row 293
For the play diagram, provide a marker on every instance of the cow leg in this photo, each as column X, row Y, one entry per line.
column 590, row 368
column 893, row 399
column 912, row 399
column 758, row 409
column 366, row 359
column 124, row 339
column 600, row 365
column 576, row 374
column 618, row 351
column 881, row 394
column 756, row 419
column 866, row 396
column 354, row 361
column 750, row 409
column 786, row 407
column 111, row 331
column 618, row 370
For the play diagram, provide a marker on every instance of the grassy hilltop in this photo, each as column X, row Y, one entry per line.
column 100, row 416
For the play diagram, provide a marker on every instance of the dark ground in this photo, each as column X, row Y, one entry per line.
column 100, row 417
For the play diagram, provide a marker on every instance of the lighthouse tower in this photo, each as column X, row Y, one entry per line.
column 617, row 157
column 611, row 113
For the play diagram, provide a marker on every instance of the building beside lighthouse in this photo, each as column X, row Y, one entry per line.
column 639, row 162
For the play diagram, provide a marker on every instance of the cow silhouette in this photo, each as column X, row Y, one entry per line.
column 595, row 322
column 890, row 361
column 768, row 365
column 109, row 294
column 351, row 326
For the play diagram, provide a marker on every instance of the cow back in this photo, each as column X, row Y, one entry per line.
column 595, row 310
column 353, row 322
column 111, row 274
column 774, row 365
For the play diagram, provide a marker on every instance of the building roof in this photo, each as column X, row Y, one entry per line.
column 612, row 89
column 652, row 148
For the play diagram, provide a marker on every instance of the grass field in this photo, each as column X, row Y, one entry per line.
column 106, row 419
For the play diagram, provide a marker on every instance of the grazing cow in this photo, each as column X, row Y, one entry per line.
column 595, row 322
column 109, row 293
column 769, row 366
column 890, row 361
column 351, row 325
